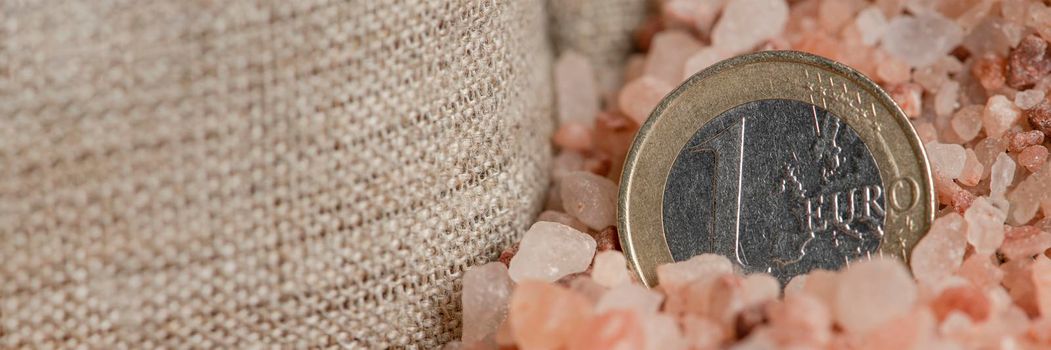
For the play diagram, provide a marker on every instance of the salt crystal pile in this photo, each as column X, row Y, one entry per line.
column 973, row 77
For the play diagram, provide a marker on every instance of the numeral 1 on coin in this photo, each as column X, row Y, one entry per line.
column 728, row 148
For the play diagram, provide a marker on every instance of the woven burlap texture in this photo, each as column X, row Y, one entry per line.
column 199, row 174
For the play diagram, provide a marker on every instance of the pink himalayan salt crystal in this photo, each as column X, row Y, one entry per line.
column 972, row 170
column 614, row 330
column 544, row 316
column 909, row 97
column 548, row 251
column 945, row 100
column 823, row 285
column 926, row 131
column 985, row 226
column 873, row 292
column 1042, row 283
column 610, row 269
column 562, row 218
column 1018, row 280
column 725, row 299
column 951, row 194
column 486, row 291
column 921, row 40
column 1033, row 157
column 967, row 299
column 1024, row 242
column 871, row 23
column 988, row 150
column 632, row 297
column 668, row 55
column 999, row 115
column 989, row 70
column 795, row 285
column 932, row 77
column 640, row 96
column 908, row 330
column 745, row 24
column 702, row 59
column 573, row 135
column 946, row 159
column 800, row 320
column 967, row 122
column 1019, row 140
column 990, row 36
column 1001, row 175
column 1031, row 194
column 663, row 333
column 585, row 286
column 590, row 198
column 703, row 333
column 578, row 98
column 980, row 270
column 939, row 254
column 566, row 162
column 893, row 71
column 1029, row 98
column 760, row 288
column 834, row 14
column 674, row 277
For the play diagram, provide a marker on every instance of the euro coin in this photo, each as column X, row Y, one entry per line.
column 784, row 162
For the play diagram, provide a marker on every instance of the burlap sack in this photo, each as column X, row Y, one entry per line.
column 194, row 174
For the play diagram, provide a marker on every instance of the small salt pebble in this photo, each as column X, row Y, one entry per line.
column 967, row 122
column 1031, row 195
column 921, row 40
column 871, row 23
column 562, row 218
column 702, row 59
column 632, row 297
column 610, row 269
column 486, row 290
column 668, row 55
column 872, row 292
column 663, row 333
column 575, row 89
column 972, row 170
column 639, row 97
column 745, row 24
column 909, row 97
column 549, row 251
column 939, row 254
column 1033, row 157
column 1000, row 114
column 573, row 136
column 544, row 316
column 893, row 71
column 985, row 226
column 946, row 159
column 610, row 330
column 590, row 198
column 1029, row 98
column 1003, row 170
column 945, row 101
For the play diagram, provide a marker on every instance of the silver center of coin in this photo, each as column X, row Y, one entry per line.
column 778, row 186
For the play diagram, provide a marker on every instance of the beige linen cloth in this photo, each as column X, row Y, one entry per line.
column 246, row 173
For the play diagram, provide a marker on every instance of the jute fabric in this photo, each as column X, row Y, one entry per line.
column 246, row 173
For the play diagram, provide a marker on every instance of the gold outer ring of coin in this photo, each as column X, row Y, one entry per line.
column 858, row 101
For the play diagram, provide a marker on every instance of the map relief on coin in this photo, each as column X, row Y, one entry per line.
column 779, row 186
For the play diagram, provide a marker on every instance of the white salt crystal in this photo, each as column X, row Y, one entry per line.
column 921, row 40
column 548, row 251
column 999, row 115
column 590, row 198
column 630, row 296
column 668, row 55
column 663, row 333
column 872, row 292
column 701, row 266
column 872, row 24
column 702, row 59
column 578, row 98
column 610, row 269
column 1029, row 98
column 1001, row 175
column 945, row 99
column 985, row 226
column 747, row 23
column 947, row 159
column 1030, row 195
column 486, row 290
column 939, row 254
column 967, row 122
